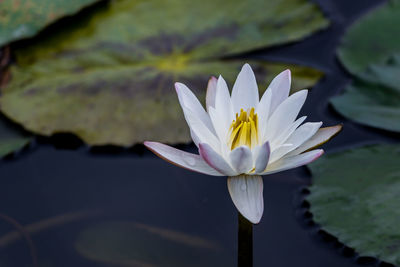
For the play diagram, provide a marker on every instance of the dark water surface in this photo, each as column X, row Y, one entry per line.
column 101, row 207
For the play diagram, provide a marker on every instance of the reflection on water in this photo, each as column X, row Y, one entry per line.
column 136, row 244
column 82, row 209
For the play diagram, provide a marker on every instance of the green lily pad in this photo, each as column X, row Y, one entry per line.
column 134, row 244
column 366, row 50
column 120, row 106
column 373, row 99
column 109, row 78
column 8, row 145
column 24, row 18
column 11, row 139
column 355, row 196
column 372, row 39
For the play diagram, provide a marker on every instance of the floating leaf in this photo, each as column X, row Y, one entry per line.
column 120, row 106
column 24, row 18
column 11, row 139
column 8, row 145
column 109, row 78
column 372, row 39
column 374, row 99
column 135, row 244
column 356, row 196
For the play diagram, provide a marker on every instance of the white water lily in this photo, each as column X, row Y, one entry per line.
column 243, row 137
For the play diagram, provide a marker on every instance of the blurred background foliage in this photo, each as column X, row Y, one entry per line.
column 355, row 197
column 370, row 50
column 24, row 18
column 356, row 192
column 108, row 76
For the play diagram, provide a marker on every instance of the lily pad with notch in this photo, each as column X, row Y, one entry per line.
column 355, row 196
column 109, row 77
column 12, row 138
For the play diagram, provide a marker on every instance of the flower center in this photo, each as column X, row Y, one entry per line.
column 244, row 130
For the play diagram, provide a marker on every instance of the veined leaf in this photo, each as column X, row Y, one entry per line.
column 109, row 78
column 355, row 196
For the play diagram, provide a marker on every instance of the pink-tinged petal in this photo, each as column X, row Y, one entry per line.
column 280, row 88
column 299, row 136
column 190, row 102
column 181, row 158
column 247, row 194
column 211, row 92
column 262, row 158
column 285, row 114
column 215, row 160
column 245, row 90
column 291, row 162
column 322, row 136
column 241, row 159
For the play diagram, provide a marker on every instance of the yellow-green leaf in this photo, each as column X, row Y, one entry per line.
column 109, row 78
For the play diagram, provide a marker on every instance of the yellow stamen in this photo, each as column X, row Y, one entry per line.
column 244, row 130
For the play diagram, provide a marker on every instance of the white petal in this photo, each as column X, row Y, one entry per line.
column 195, row 138
column 189, row 101
column 223, row 104
column 285, row 114
column 245, row 90
column 284, row 135
column 247, row 194
column 290, row 162
column 211, row 92
column 219, row 127
column 303, row 133
column 299, row 136
column 279, row 152
column 181, row 158
column 262, row 157
column 280, row 88
column 241, row 159
column 201, row 132
column 215, row 160
column 322, row 136
column 223, row 109
column 263, row 111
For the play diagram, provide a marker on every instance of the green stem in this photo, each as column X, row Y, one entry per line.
column 245, row 242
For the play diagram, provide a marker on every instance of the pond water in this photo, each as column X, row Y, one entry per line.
column 115, row 207
column 80, row 208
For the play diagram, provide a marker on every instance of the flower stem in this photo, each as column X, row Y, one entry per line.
column 245, row 242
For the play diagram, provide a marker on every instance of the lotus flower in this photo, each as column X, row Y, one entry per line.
column 243, row 137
